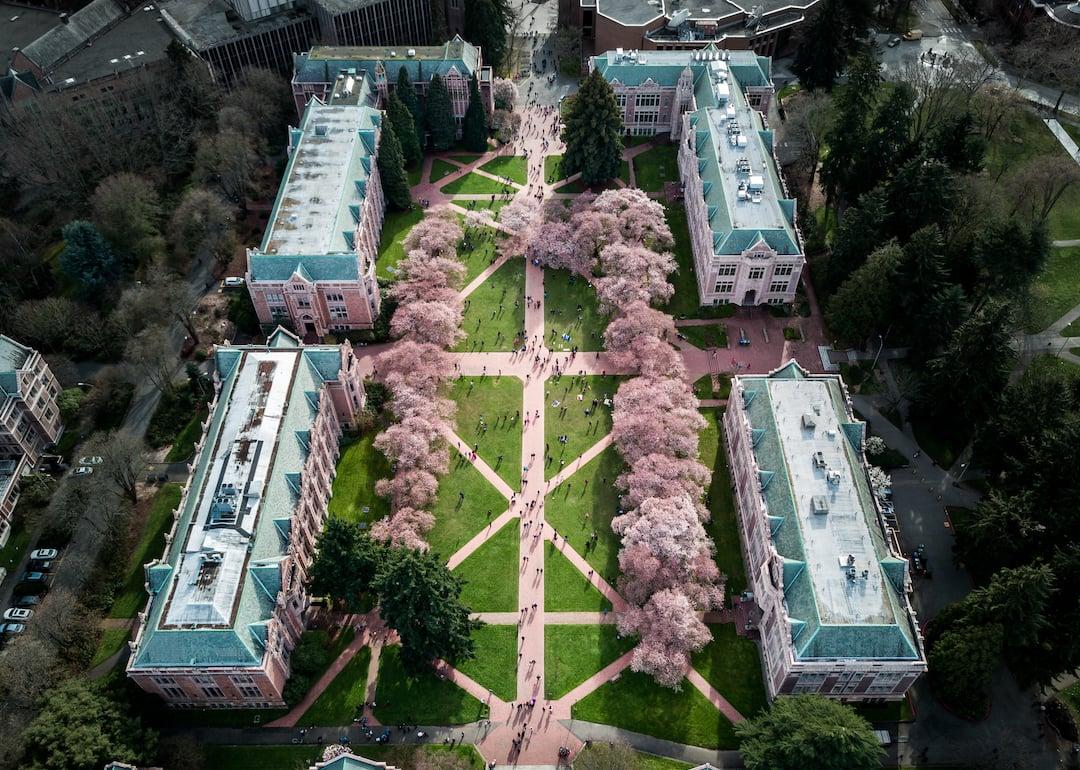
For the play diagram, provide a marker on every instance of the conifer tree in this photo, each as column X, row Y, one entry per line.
column 405, row 130
column 439, row 115
column 593, row 132
column 407, row 93
column 474, row 130
column 395, row 183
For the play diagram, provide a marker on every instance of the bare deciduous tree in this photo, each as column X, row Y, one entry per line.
column 149, row 354
column 1039, row 183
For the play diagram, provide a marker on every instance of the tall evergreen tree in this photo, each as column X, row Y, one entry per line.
column 421, row 600
column 833, row 37
column 439, row 114
column 966, row 379
column 87, row 258
column 395, row 183
column 853, row 106
column 474, row 129
column 962, row 663
column 886, row 144
column 345, row 563
column 808, row 731
column 862, row 306
column 439, row 32
column 405, row 130
column 487, row 25
column 407, row 93
column 593, row 132
column 861, row 230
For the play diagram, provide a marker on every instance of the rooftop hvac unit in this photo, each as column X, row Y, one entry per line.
column 411, row 52
column 757, row 182
column 819, row 459
column 819, row 505
column 808, row 420
column 678, row 18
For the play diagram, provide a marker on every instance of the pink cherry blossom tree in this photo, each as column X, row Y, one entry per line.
column 658, row 476
column 437, row 234
column 409, row 489
column 405, row 528
column 654, row 415
column 519, row 215
column 670, row 631
column 437, row 323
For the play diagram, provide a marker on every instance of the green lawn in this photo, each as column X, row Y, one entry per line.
column 656, row 166
column 485, row 203
column 162, row 716
column 1072, row 330
column 407, row 756
column 1028, row 137
column 723, row 524
column 415, row 174
column 260, row 757
column 465, row 159
column 337, row 705
column 569, row 418
column 491, row 573
column 422, row 699
column 478, row 247
column 476, row 184
column 150, row 546
column 566, row 589
column 576, row 515
column 645, row 761
column 703, row 387
column 352, row 496
column 1049, row 363
column 635, row 702
column 184, row 444
column 731, row 664
column 686, row 303
column 12, row 552
column 458, row 519
column 514, row 167
column 391, row 251
column 1056, row 289
column 495, row 312
column 624, row 171
column 571, row 307
column 112, row 640
column 497, row 401
column 495, row 664
column 574, row 653
column 440, row 169
column 553, row 169
column 706, row 337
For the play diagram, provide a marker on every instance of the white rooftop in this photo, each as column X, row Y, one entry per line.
column 312, row 208
column 750, row 190
column 829, row 509
column 208, row 575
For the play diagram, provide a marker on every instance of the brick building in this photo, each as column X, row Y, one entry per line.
column 765, row 27
column 824, row 567
column 315, row 267
column 233, row 35
column 29, row 419
column 456, row 61
column 747, row 249
column 227, row 601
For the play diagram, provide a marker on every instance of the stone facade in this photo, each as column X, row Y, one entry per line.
column 29, row 416
column 456, row 61
column 242, row 660
column 315, row 269
column 852, row 669
column 747, row 248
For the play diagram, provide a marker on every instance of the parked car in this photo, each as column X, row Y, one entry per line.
column 12, row 628
column 893, row 42
column 92, row 460
column 83, row 470
column 233, row 282
column 42, row 554
column 41, row 566
column 33, row 577
column 17, row 613
column 29, row 600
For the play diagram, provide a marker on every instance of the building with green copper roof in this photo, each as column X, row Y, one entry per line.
column 315, row 267
column 226, row 600
column 824, row 567
column 742, row 222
